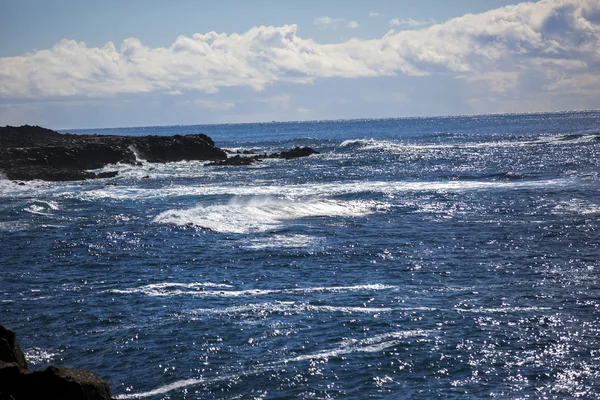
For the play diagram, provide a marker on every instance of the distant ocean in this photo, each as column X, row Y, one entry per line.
column 414, row 258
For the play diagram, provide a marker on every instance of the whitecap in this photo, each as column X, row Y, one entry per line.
column 260, row 214
column 287, row 308
column 494, row 310
column 373, row 344
column 325, row 190
column 577, row 207
column 41, row 207
column 282, row 241
column 223, row 290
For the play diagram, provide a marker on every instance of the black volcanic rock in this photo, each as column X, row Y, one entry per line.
column 10, row 352
column 62, row 383
column 19, row 383
column 296, row 152
column 32, row 152
column 236, row 161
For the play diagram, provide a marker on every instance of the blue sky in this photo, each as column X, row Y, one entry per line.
column 84, row 64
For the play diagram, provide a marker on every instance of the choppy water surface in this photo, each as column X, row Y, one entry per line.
column 412, row 258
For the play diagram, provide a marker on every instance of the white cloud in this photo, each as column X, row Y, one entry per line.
column 373, row 14
column 552, row 44
column 326, row 22
column 214, row 105
column 352, row 24
column 411, row 23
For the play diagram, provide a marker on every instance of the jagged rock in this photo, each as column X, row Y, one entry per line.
column 32, row 152
column 296, row 152
column 62, row 383
column 30, row 172
column 10, row 352
column 235, row 160
column 19, row 383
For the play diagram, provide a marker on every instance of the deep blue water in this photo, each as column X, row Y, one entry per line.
column 412, row 259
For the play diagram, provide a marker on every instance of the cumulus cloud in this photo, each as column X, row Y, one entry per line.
column 551, row 42
column 373, row 14
column 352, row 24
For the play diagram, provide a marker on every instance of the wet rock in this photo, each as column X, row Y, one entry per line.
column 19, row 383
column 62, row 383
column 10, row 352
column 296, row 152
column 235, row 161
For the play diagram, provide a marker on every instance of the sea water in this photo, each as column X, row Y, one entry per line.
column 411, row 259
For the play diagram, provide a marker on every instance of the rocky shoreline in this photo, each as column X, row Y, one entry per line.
column 32, row 152
column 17, row 382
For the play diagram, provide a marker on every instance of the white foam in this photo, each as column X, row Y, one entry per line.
column 374, row 344
column 288, row 308
column 323, row 190
column 41, row 207
column 36, row 355
column 492, row 310
column 282, row 241
column 576, row 206
column 198, row 289
column 385, row 145
column 394, row 147
column 260, row 214
column 171, row 288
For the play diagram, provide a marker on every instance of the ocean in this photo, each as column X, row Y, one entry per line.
column 413, row 258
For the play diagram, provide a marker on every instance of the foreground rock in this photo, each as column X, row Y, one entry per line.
column 32, row 152
column 19, row 383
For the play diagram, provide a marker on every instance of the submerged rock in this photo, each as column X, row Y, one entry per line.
column 19, row 383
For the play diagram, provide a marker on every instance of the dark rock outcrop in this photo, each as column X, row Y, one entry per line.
column 10, row 352
column 19, row 383
column 32, row 152
column 296, row 152
column 237, row 160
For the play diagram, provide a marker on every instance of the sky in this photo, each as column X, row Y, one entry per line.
column 116, row 63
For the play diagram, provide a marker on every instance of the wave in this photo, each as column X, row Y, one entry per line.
column 376, row 343
column 487, row 310
column 577, row 207
column 287, row 308
column 41, row 207
column 393, row 147
column 282, row 241
column 306, row 190
column 207, row 289
column 390, row 146
column 571, row 138
column 260, row 214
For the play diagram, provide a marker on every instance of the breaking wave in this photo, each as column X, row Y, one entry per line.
column 261, row 214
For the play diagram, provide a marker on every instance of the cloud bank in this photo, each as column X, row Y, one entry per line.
column 551, row 46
